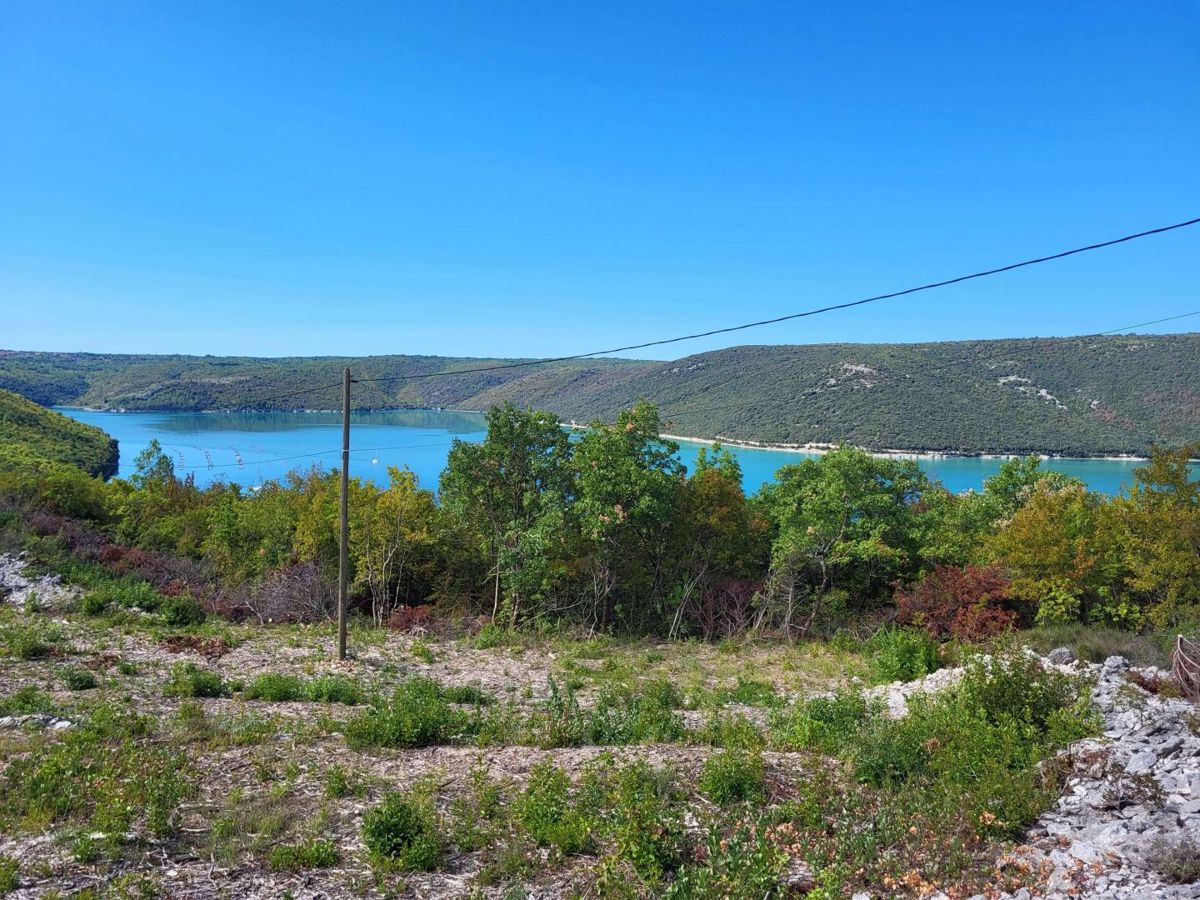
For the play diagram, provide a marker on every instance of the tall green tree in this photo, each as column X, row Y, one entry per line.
column 509, row 489
column 626, row 481
column 844, row 531
column 1161, row 536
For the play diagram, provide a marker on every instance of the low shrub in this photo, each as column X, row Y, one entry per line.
column 645, row 714
column 636, row 811
column 733, row 775
column 312, row 853
column 720, row 729
column 25, row 701
column 276, row 687
column 36, row 639
column 743, row 862
column 94, row 603
column 106, row 775
column 546, row 809
column 340, row 782
column 410, row 619
column 471, row 694
column 1014, row 686
column 477, row 816
column 1095, row 643
column 79, row 679
column 9, row 879
column 902, row 654
column 829, row 724
column 181, row 611
column 966, row 603
column 242, row 730
column 422, row 651
column 334, row 689
column 417, row 715
column 1178, row 861
column 752, row 692
column 402, row 834
column 490, row 636
column 189, row 680
column 108, row 594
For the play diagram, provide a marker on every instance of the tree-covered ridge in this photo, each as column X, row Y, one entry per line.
column 1078, row 396
column 29, row 433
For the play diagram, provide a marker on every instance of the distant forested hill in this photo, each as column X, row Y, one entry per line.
column 29, row 432
column 1076, row 396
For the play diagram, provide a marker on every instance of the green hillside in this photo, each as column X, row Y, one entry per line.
column 1078, row 396
column 31, row 432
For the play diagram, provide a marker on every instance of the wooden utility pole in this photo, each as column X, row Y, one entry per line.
column 344, row 511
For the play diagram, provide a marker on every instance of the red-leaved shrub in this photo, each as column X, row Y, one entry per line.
column 964, row 603
column 410, row 619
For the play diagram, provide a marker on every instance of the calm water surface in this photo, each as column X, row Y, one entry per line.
column 250, row 448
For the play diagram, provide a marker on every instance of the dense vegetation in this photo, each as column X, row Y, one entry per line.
column 1078, row 396
column 31, row 435
column 608, row 531
column 634, row 772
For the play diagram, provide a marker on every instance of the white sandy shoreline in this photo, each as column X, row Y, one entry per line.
column 740, row 444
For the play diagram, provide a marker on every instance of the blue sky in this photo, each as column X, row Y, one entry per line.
column 548, row 178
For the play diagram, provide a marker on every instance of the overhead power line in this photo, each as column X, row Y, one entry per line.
column 799, row 315
column 1036, row 344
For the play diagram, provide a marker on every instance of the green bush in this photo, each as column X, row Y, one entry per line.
column 334, row 689
column 471, row 694
column 181, row 611
column 490, row 636
column 720, row 729
column 105, row 775
column 312, row 853
column 401, row 834
column 733, row 775
column 546, row 809
column 829, row 724
column 1014, row 686
column 32, row 640
column 417, row 715
column 107, row 594
column 9, row 881
column 94, row 603
column 189, row 680
column 79, row 679
column 903, row 654
column 339, row 782
column 743, row 863
column 645, row 714
column 25, row 701
column 637, row 810
column 276, row 687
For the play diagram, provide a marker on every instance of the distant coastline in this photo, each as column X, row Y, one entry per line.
column 818, row 449
column 740, row 443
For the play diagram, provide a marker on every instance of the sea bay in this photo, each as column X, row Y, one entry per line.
column 249, row 448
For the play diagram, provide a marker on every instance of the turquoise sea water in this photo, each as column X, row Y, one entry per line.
column 249, row 448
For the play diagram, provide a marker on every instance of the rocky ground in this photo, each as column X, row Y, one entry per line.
column 1131, row 797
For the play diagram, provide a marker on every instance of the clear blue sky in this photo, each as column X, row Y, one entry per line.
column 545, row 178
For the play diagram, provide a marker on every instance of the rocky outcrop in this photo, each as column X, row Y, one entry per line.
column 19, row 589
column 1131, row 798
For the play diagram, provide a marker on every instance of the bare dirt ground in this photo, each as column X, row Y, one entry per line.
column 282, row 753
